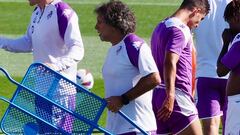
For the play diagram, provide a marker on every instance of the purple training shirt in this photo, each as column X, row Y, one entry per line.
column 231, row 59
column 172, row 35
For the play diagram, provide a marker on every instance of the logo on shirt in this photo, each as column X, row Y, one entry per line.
column 238, row 36
column 67, row 12
column 49, row 14
column 137, row 44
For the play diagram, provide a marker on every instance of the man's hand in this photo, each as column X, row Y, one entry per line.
column 52, row 66
column 166, row 110
column 114, row 103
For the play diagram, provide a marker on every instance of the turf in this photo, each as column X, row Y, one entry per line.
column 15, row 17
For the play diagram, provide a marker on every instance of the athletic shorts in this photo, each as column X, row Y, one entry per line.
column 211, row 97
column 232, row 125
column 184, row 111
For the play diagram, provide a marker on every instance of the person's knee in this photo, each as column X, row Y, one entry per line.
column 212, row 122
column 211, row 126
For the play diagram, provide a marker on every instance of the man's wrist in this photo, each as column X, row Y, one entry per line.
column 171, row 95
column 125, row 99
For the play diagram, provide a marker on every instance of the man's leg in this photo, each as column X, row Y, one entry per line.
column 211, row 126
column 184, row 118
column 193, row 129
column 211, row 99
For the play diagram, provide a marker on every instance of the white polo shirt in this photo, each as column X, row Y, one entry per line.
column 53, row 36
column 125, row 63
column 209, row 39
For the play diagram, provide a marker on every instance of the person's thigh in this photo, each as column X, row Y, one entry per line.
column 184, row 112
column 159, row 94
column 193, row 129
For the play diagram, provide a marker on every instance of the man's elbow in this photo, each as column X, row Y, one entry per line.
column 222, row 70
column 156, row 79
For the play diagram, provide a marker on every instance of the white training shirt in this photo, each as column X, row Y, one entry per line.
column 53, row 36
column 125, row 63
column 209, row 39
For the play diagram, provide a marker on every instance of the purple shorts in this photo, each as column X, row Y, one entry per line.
column 211, row 97
column 184, row 112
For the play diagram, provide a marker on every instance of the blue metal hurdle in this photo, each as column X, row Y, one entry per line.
column 33, row 103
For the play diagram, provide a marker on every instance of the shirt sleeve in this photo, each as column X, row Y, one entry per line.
column 146, row 63
column 177, row 41
column 73, row 41
column 232, row 58
column 22, row 44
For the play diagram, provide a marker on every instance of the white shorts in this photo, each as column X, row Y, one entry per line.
column 232, row 125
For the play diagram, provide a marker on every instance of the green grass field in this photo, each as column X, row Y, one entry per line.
column 15, row 15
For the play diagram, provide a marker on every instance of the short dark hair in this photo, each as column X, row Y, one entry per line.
column 202, row 4
column 118, row 15
column 232, row 11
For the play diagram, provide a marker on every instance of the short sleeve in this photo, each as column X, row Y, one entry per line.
column 177, row 41
column 146, row 62
column 232, row 58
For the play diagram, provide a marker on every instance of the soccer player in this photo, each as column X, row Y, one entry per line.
column 171, row 46
column 129, row 70
column 229, row 62
column 211, row 94
column 54, row 37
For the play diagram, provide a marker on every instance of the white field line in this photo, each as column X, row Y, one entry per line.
column 11, row 35
column 96, row 3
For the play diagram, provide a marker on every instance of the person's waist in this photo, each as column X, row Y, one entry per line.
column 183, row 89
column 177, row 85
column 163, row 86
